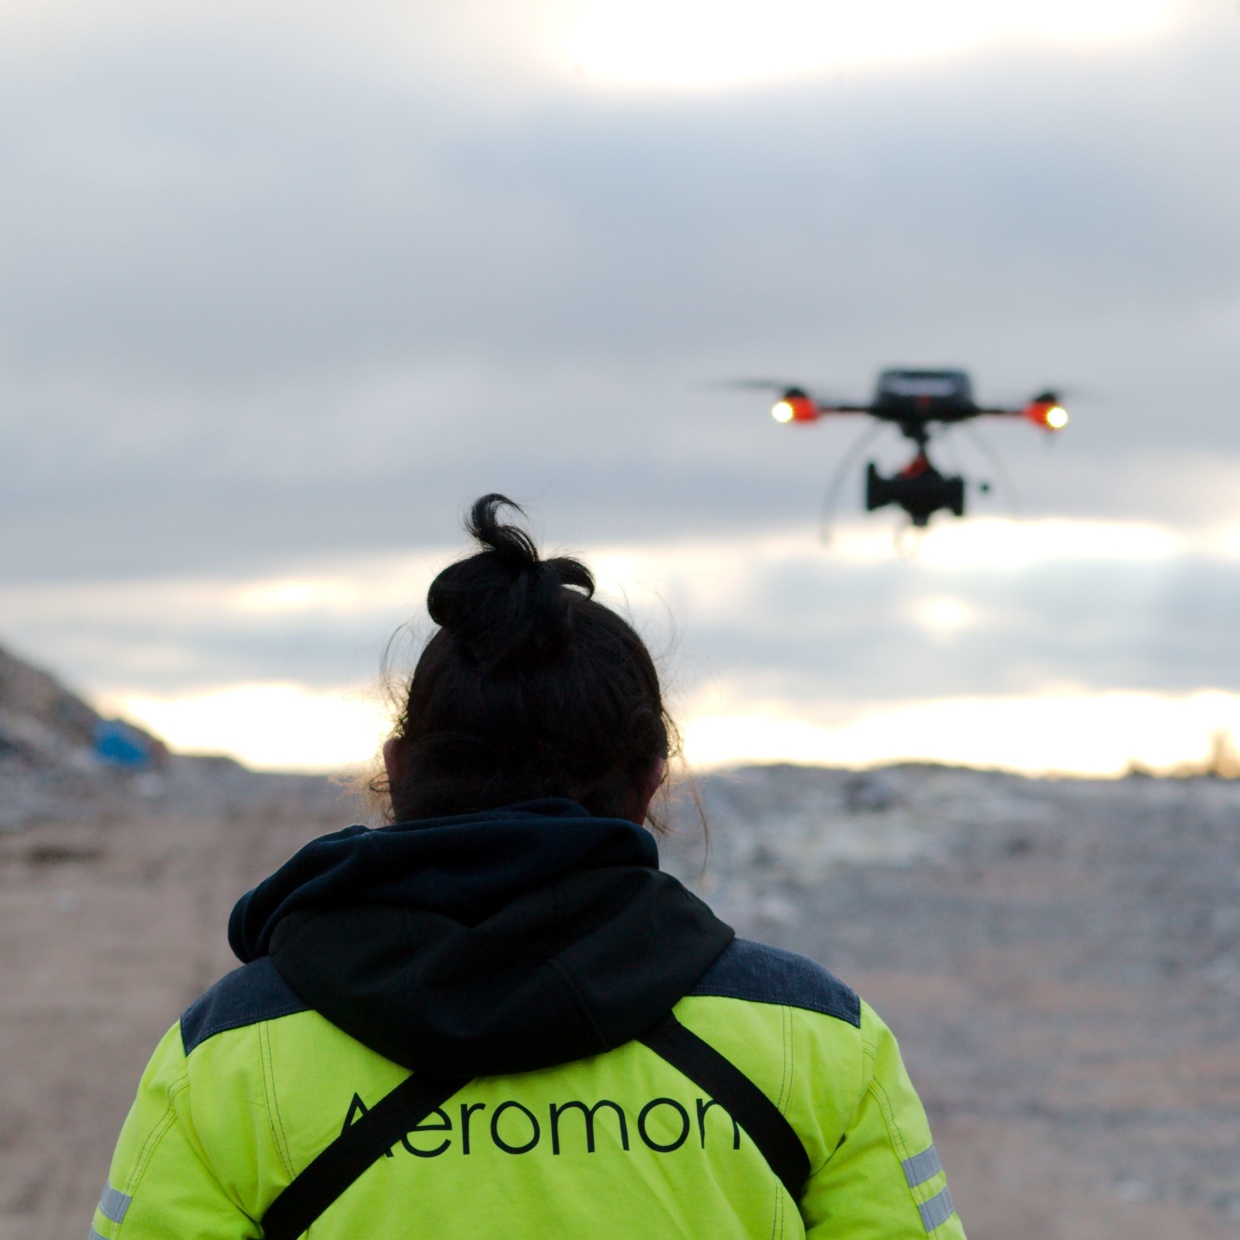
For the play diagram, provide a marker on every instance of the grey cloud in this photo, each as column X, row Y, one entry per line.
column 851, row 634
column 214, row 217
column 832, row 632
column 262, row 307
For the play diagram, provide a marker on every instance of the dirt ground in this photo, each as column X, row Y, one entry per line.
column 107, row 932
column 1055, row 1092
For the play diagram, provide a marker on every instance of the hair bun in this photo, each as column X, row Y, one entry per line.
column 505, row 605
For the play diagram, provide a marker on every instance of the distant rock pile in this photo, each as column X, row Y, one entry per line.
column 61, row 761
column 59, row 756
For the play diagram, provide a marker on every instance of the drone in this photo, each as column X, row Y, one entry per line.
column 917, row 402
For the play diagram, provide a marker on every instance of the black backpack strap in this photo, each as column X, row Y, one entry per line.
column 366, row 1140
column 351, row 1153
column 738, row 1095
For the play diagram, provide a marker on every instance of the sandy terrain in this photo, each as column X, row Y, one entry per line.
column 1060, row 962
column 107, row 931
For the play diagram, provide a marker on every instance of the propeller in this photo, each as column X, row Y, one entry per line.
column 753, row 385
column 1057, row 392
column 820, row 396
column 842, row 470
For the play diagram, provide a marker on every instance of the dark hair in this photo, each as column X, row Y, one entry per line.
column 529, row 688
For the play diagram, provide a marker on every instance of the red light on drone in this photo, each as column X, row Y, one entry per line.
column 795, row 407
column 1050, row 415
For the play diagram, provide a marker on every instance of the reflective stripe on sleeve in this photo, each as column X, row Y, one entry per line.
column 922, row 1167
column 113, row 1204
column 94, row 1235
column 936, row 1211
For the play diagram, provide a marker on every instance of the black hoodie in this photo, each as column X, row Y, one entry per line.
column 503, row 941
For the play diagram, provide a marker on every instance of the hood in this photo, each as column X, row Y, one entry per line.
column 496, row 942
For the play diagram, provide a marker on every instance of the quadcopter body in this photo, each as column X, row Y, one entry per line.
column 917, row 402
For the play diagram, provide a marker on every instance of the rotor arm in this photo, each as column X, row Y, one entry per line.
column 797, row 405
column 1044, row 411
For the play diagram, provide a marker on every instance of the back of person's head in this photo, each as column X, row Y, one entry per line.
column 529, row 688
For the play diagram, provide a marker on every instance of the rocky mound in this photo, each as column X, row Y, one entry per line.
column 54, row 750
column 61, row 761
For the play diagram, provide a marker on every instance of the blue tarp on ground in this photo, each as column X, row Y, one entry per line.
column 117, row 744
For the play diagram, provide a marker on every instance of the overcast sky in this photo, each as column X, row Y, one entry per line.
column 284, row 286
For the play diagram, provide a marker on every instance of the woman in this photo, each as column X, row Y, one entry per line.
column 497, row 1016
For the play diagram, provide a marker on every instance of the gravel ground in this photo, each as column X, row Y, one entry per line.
column 1061, row 960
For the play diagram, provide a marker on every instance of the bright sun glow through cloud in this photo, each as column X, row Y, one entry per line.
column 281, row 727
column 1077, row 733
column 674, row 592
column 288, row 727
column 707, row 44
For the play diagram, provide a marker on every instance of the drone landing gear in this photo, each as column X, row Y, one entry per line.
column 919, row 488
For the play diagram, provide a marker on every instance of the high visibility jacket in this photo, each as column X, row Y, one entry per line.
column 250, row 1085
column 524, row 950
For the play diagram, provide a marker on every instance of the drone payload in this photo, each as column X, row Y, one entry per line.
column 917, row 401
